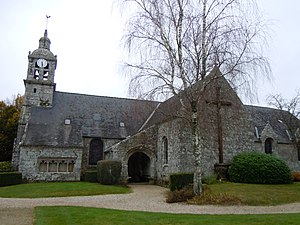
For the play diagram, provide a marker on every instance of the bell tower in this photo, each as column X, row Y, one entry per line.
column 39, row 88
column 39, row 84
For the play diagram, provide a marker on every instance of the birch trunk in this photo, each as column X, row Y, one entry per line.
column 197, row 184
column 203, row 42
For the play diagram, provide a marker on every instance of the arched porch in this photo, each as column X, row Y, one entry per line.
column 140, row 165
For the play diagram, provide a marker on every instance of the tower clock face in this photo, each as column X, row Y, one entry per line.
column 42, row 63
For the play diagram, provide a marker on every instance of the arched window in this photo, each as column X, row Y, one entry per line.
column 268, row 146
column 165, row 150
column 96, row 151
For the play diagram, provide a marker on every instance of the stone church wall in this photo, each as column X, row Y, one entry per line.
column 234, row 123
column 289, row 154
column 39, row 94
column 107, row 143
column 286, row 152
column 50, row 164
column 144, row 141
column 236, row 138
column 180, row 155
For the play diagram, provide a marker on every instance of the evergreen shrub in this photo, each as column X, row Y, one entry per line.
column 109, row 171
column 178, row 181
column 259, row 168
column 5, row 167
column 10, row 178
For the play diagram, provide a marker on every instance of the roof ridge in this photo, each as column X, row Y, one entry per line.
column 102, row 96
column 265, row 107
column 151, row 115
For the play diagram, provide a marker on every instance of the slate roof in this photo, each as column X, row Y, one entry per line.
column 98, row 116
column 166, row 110
column 170, row 109
column 90, row 116
column 280, row 121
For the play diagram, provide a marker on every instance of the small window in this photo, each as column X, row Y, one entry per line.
column 269, row 146
column 67, row 121
column 165, row 151
column 256, row 133
column 34, row 90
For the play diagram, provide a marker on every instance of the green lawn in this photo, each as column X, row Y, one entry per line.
column 92, row 216
column 59, row 189
column 258, row 194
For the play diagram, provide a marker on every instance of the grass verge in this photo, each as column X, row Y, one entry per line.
column 60, row 189
column 92, row 216
column 239, row 194
column 259, row 194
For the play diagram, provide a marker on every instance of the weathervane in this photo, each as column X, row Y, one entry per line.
column 47, row 21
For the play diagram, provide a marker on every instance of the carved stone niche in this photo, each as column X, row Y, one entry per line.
column 56, row 165
column 43, row 166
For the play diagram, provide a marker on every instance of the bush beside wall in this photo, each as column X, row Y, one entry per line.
column 259, row 168
column 10, row 178
column 109, row 171
column 178, row 181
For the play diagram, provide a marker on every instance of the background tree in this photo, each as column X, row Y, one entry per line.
column 292, row 108
column 291, row 105
column 9, row 117
column 175, row 43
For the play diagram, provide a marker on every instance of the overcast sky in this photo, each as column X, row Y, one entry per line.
column 85, row 36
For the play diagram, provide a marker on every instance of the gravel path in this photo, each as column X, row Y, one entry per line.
column 144, row 198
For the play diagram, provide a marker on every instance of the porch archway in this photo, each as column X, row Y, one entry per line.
column 139, row 167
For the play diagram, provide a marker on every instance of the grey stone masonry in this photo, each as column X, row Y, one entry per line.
column 38, row 163
column 60, row 135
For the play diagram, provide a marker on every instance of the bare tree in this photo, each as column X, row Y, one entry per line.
column 292, row 108
column 292, row 105
column 175, row 43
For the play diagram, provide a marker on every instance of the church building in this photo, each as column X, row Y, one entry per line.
column 61, row 135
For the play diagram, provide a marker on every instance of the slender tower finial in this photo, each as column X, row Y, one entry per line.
column 47, row 20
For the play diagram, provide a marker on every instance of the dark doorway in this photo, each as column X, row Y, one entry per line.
column 96, row 151
column 268, row 146
column 139, row 167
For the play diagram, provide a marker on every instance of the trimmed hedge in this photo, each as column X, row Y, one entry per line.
column 178, row 181
column 5, row 167
column 259, row 168
column 90, row 176
column 10, row 178
column 109, row 171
